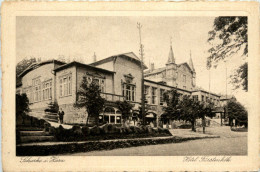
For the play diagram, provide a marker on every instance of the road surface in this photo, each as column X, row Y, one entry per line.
column 229, row 143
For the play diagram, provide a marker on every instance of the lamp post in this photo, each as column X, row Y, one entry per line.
column 141, row 51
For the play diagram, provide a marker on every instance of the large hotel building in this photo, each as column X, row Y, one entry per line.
column 119, row 78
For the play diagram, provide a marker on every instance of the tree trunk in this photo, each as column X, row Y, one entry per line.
column 87, row 119
column 97, row 120
column 193, row 126
column 203, row 124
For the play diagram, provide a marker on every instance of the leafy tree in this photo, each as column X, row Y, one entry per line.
column 25, row 63
column 172, row 99
column 191, row 110
column 207, row 110
column 89, row 97
column 53, row 107
column 22, row 65
column 240, row 77
column 238, row 112
column 22, row 105
column 125, row 107
column 229, row 35
column 146, row 109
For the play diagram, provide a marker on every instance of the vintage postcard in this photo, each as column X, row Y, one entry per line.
column 138, row 86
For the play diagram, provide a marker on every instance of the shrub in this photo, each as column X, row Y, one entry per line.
column 104, row 129
column 46, row 126
column 77, row 132
column 166, row 131
column 52, row 130
column 150, row 130
column 95, row 130
column 185, row 126
column 155, row 130
column 85, row 131
column 111, row 128
column 128, row 130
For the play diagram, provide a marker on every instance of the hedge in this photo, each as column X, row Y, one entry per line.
column 104, row 132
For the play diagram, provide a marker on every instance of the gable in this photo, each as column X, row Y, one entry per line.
column 185, row 66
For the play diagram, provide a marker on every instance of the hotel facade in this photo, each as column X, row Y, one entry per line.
column 119, row 78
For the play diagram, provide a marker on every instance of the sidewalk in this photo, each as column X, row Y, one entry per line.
column 56, row 125
column 187, row 133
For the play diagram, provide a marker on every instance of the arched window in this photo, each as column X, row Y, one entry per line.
column 118, row 112
column 110, row 110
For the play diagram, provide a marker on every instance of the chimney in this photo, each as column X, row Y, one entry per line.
column 94, row 57
column 152, row 66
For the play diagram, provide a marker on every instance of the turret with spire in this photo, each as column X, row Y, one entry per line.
column 193, row 71
column 171, row 55
column 191, row 64
column 94, row 57
column 171, row 68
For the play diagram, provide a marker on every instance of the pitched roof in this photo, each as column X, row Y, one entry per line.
column 36, row 65
column 129, row 55
column 223, row 97
column 207, row 92
column 158, row 70
column 74, row 63
column 159, row 83
column 186, row 64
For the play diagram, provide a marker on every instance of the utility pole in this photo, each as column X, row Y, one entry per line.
column 226, row 91
column 209, row 84
column 141, row 51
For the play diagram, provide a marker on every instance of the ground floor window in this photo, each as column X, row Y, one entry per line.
column 112, row 119
column 112, row 116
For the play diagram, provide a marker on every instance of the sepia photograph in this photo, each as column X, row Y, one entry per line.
column 131, row 86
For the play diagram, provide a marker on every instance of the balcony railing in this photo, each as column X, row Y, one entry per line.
column 112, row 97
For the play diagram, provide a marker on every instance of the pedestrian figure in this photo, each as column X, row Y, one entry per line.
column 61, row 114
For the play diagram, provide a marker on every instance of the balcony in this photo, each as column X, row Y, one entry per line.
column 112, row 97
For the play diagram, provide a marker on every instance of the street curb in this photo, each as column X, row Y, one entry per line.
column 87, row 146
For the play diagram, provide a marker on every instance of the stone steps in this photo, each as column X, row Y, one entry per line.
column 34, row 133
column 35, row 136
column 30, row 139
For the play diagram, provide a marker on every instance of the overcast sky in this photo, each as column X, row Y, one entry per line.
column 80, row 37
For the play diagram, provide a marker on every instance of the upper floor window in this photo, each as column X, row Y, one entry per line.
column 65, row 85
column 184, row 78
column 154, row 95
column 184, row 87
column 195, row 98
column 146, row 93
column 161, row 96
column 47, row 90
column 129, row 92
column 202, row 98
column 37, row 90
column 100, row 82
column 146, row 90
